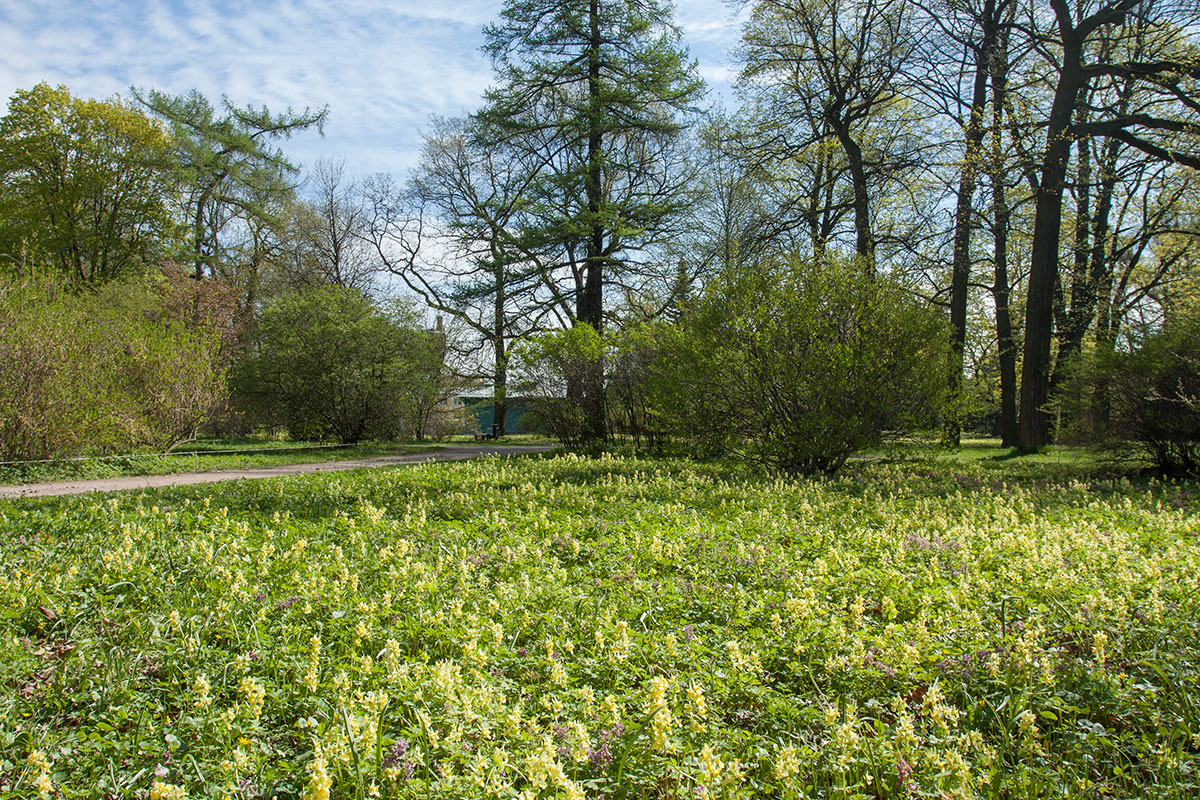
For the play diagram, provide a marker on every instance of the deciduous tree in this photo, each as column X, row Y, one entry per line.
column 85, row 187
column 601, row 82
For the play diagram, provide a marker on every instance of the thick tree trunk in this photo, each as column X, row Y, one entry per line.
column 500, row 382
column 591, row 304
column 1034, row 429
column 1047, row 225
column 864, row 244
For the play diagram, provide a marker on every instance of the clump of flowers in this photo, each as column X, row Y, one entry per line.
column 662, row 721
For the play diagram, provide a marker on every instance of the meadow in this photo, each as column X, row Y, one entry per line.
column 606, row 627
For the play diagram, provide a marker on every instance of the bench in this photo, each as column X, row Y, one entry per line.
column 494, row 433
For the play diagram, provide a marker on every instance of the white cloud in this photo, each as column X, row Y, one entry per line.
column 382, row 67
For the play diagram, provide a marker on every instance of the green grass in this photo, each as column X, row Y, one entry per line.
column 513, row 439
column 204, row 455
column 615, row 627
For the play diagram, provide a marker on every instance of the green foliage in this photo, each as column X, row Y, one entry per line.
column 1148, row 398
column 103, row 372
column 590, row 99
column 606, row 627
column 226, row 166
column 332, row 364
column 641, row 391
column 85, row 188
column 802, row 365
column 554, row 370
column 604, row 80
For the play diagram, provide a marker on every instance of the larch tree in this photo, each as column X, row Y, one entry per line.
column 604, row 81
column 225, row 160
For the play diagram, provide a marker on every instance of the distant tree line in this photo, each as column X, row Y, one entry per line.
column 163, row 270
column 1000, row 194
column 1026, row 170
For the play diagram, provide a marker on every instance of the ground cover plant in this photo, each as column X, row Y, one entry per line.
column 607, row 627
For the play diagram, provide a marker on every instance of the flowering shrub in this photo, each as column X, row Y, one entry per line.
column 604, row 627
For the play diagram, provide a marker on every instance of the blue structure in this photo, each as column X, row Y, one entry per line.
column 479, row 415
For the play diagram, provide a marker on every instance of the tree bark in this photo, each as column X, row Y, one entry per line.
column 864, row 240
column 1043, row 268
column 591, row 304
column 960, row 270
column 500, row 382
column 1033, row 431
column 1006, row 344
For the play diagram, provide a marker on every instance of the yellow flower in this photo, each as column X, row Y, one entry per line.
column 787, row 763
column 319, row 782
column 711, row 766
column 167, row 791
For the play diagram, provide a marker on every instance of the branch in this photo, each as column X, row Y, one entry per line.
column 1162, row 153
column 1109, row 127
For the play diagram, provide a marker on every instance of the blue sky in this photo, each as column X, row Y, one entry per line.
column 382, row 67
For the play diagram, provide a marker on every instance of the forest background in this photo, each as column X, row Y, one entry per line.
column 1007, row 189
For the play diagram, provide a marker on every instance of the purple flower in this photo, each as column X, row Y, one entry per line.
column 601, row 756
column 396, row 753
column 904, row 772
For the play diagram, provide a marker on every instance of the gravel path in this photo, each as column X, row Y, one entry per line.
column 448, row 453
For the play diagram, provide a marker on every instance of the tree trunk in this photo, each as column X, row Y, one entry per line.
column 500, row 382
column 1075, row 310
column 1033, row 431
column 591, row 304
column 1047, row 224
column 960, row 270
column 1005, row 340
column 864, row 243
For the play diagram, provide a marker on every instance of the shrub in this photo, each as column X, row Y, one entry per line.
column 1147, row 398
column 552, row 369
column 800, row 366
column 100, row 373
column 640, row 402
column 331, row 364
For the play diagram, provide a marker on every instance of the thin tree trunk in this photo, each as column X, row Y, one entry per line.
column 960, row 271
column 1005, row 340
column 1074, row 311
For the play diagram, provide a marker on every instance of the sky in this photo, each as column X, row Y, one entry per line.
column 382, row 67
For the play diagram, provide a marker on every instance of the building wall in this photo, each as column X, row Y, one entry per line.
column 479, row 416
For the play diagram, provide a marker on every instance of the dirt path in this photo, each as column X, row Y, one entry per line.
column 449, row 453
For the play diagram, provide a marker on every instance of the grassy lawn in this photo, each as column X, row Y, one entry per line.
column 205, row 455
column 607, row 627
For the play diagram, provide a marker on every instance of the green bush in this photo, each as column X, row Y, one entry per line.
column 331, row 364
column 104, row 372
column 551, row 371
column 1147, row 398
column 801, row 366
column 640, row 391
